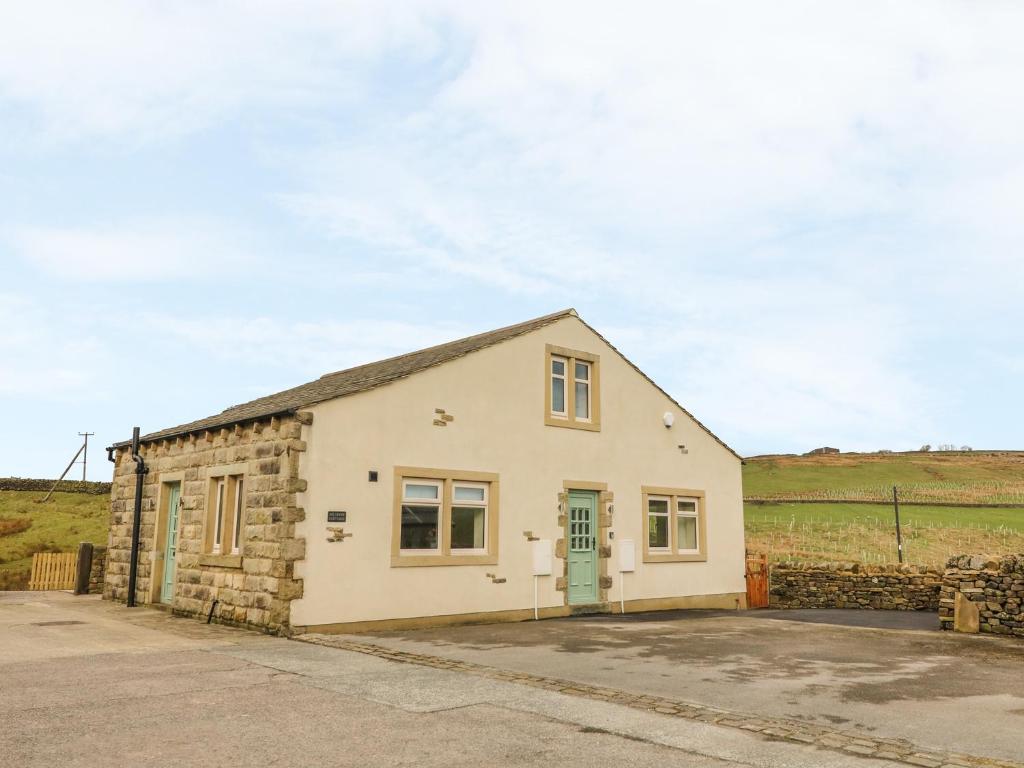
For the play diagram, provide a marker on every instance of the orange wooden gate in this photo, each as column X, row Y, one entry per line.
column 53, row 570
column 757, row 581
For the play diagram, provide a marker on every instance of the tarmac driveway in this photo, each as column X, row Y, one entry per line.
column 85, row 683
column 887, row 673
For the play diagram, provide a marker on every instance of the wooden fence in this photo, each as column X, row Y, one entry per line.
column 53, row 570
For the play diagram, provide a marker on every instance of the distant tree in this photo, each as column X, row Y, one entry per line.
column 966, row 448
column 925, row 448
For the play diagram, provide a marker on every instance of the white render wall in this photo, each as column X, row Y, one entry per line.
column 497, row 398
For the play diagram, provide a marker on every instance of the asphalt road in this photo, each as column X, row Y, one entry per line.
column 86, row 683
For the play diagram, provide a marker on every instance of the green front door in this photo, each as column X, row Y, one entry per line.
column 171, row 547
column 582, row 547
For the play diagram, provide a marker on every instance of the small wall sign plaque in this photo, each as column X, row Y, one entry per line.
column 337, row 517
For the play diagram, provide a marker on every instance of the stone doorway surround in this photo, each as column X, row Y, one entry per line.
column 605, row 499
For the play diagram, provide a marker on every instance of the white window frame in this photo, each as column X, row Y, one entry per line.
column 218, row 516
column 420, row 502
column 587, row 381
column 696, row 521
column 236, row 528
column 564, row 379
column 475, row 505
column 668, row 523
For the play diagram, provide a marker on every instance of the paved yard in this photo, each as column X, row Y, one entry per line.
column 888, row 674
column 87, row 683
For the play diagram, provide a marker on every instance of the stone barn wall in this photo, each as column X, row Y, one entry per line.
column 255, row 587
column 853, row 585
column 989, row 591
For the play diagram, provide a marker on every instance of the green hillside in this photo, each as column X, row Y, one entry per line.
column 933, row 527
column 59, row 525
column 954, row 477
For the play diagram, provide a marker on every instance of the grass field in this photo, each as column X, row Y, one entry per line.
column 954, row 477
column 866, row 532
column 56, row 526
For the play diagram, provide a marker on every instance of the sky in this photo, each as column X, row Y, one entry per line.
column 803, row 220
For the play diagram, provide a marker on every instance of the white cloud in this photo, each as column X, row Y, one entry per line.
column 44, row 354
column 138, row 71
column 303, row 349
column 146, row 251
column 688, row 134
column 773, row 377
column 802, row 187
column 793, row 199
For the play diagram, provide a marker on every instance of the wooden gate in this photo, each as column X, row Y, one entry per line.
column 53, row 570
column 757, row 581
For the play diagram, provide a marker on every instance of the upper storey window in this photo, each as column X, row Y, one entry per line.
column 572, row 390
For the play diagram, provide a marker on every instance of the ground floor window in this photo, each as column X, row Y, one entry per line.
column 674, row 520
column 445, row 517
column 225, row 518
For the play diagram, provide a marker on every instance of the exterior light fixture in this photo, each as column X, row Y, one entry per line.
column 668, row 419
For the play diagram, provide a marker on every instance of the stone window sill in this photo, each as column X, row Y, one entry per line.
column 221, row 561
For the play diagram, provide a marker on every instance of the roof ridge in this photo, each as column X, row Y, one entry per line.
column 544, row 319
column 359, row 378
column 346, row 382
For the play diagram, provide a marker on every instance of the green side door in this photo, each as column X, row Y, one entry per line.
column 582, row 547
column 171, row 546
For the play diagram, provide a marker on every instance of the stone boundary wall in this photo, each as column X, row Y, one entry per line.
column 97, row 570
column 66, row 486
column 854, row 585
column 983, row 593
column 254, row 588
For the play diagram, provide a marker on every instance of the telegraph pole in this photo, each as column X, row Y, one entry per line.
column 85, row 451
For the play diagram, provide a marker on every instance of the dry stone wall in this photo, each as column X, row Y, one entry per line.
column 254, row 588
column 69, row 486
column 854, row 585
column 990, row 593
column 97, row 570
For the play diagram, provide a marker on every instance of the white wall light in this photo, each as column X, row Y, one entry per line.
column 668, row 419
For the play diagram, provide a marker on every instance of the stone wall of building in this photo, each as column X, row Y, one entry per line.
column 254, row 588
column 853, row 585
column 989, row 591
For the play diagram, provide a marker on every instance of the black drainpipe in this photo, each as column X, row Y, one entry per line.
column 140, row 474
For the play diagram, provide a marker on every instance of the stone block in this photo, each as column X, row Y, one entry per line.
column 966, row 616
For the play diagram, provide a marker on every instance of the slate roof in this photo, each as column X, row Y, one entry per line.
column 372, row 375
column 353, row 380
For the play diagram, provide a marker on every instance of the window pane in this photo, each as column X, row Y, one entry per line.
column 582, row 400
column 686, row 532
column 687, row 506
column 558, row 366
column 468, row 527
column 657, row 531
column 420, row 491
column 558, row 395
column 419, row 527
column 469, row 493
column 657, row 506
column 582, row 371
column 239, row 505
column 218, row 525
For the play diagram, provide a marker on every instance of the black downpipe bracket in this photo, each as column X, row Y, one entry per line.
column 140, row 474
